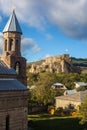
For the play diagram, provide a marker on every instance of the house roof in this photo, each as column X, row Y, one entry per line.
column 11, row 84
column 81, row 83
column 58, row 85
column 77, row 97
column 12, row 24
column 71, row 91
column 4, row 69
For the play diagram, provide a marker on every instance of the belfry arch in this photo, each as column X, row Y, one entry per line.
column 17, row 67
column 11, row 46
column 5, row 47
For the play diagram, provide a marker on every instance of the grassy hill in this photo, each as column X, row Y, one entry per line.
column 80, row 62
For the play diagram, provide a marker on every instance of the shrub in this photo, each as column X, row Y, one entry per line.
column 74, row 113
column 59, row 111
column 51, row 109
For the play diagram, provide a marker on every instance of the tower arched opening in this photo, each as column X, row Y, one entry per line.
column 11, row 45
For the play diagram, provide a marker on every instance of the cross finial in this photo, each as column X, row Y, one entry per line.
column 13, row 7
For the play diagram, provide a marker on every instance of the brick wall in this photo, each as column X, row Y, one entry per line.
column 14, row 104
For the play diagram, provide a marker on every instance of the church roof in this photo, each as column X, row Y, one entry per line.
column 4, row 69
column 11, row 85
column 12, row 24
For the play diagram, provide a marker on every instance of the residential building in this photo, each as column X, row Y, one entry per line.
column 80, row 84
column 72, row 99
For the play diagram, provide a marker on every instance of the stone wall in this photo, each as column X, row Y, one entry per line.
column 14, row 105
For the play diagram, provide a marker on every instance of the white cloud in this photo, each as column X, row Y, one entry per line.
column 29, row 11
column 46, row 56
column 0, row 18
column 27, row 45
column 1, row 42
column 49, row 36
column 68, row 15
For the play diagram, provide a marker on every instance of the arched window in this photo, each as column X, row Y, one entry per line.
column 17, row 44
column 6, row 45
column 17, row 67
column 11, row 45
column 7, row 122
column 16, row 41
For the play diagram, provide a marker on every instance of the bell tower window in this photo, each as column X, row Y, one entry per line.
column 17, row 41
column 6, row 45
column 7, row 122
column 17, row 67
column 17, row 45
column 11, row 45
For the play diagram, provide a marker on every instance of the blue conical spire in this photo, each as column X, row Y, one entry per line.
column 12, row 24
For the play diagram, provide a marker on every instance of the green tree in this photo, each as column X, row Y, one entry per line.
column 83, row 112
column 31, row 79
column 43, row 93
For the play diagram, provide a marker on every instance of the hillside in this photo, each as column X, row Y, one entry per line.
column 80, row 62
column 58, row 64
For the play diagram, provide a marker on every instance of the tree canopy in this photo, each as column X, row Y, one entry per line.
column 83, row 112
column 43, row 81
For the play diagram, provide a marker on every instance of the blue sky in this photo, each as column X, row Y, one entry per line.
column 50, row 27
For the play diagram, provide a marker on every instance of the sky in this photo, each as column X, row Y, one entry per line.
column 50, row 27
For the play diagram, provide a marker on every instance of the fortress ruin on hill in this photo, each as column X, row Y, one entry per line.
column 58, row 64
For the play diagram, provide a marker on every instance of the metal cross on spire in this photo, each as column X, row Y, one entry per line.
column 13, row 6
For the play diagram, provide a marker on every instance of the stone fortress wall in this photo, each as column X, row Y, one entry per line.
column 58, row 64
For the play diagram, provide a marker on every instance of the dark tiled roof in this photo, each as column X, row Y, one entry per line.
column 4, row 69
column 11, row 84
column 77, row 97
column 12, row 24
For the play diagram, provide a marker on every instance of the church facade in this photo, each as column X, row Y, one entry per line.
column 13, row 90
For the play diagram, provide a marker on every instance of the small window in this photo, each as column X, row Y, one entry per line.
column 6, row 45
column 7, row 122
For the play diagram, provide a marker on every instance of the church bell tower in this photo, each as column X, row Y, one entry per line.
column 12, row 48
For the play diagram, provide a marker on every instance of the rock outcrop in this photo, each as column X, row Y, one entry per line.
column 58, row 64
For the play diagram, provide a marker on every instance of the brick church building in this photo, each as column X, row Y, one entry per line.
column 13, row 90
